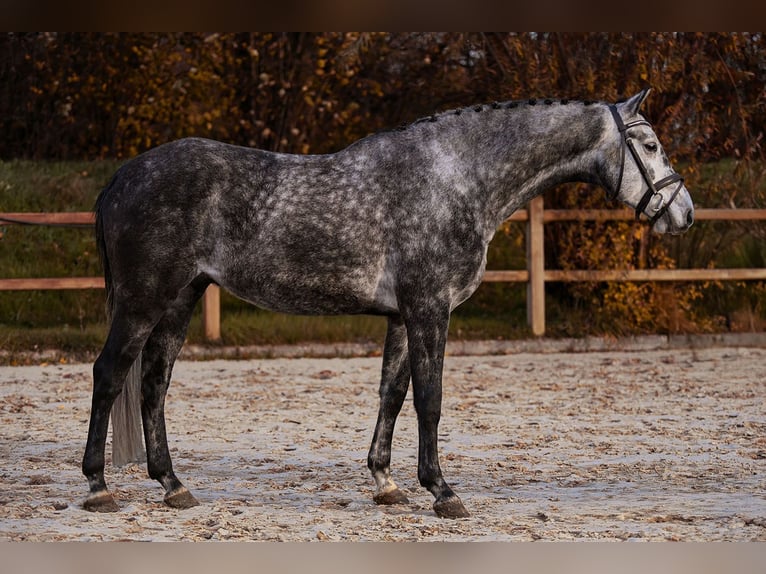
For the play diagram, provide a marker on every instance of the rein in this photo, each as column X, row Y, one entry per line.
column 654, row 187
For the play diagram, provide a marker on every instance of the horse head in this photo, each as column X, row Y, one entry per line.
column 644, row 178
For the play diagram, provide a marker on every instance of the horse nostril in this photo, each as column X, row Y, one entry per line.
column 690, row 217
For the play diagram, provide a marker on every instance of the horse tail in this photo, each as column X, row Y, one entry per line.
column 127, row 440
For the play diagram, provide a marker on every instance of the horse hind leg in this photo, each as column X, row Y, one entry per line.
column 159, row 355
column 395, row 380
column 126, row 338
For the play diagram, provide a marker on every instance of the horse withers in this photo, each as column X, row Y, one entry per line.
column 396, row 224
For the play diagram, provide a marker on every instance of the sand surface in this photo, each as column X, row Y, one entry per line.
column 653, row 445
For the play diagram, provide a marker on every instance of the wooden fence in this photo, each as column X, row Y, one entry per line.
column 535, row 276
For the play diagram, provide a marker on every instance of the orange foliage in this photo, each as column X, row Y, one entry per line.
column 84, row 95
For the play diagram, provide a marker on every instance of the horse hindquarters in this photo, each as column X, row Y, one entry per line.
column 147, row 271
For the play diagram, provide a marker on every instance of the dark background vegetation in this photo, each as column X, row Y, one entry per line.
column 73, row 106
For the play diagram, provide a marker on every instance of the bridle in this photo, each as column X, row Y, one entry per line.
column 654, row 187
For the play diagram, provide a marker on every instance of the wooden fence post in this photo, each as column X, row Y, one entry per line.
column 211, row 313
column 536, row 268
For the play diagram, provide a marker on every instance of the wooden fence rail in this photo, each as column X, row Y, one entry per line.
column 535, row 276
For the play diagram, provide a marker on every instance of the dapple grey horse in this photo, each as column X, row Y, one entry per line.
column 396, row 224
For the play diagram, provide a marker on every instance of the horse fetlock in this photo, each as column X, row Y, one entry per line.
column 451, row 507
column 101, row 501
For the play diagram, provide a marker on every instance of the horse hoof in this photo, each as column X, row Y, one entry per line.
column 100, row 502
column 180, row 498
column 451, row 507
column 394, row 496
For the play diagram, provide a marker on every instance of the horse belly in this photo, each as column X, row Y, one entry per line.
column 310, row 290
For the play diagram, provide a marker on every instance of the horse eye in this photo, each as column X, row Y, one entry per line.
column 651, row 147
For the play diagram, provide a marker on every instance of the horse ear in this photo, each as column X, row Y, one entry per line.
column 631, row 106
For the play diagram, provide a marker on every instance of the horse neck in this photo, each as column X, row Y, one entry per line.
column 518, row 153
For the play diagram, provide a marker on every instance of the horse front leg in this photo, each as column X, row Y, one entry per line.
column 427, row 337
column 394, row 381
